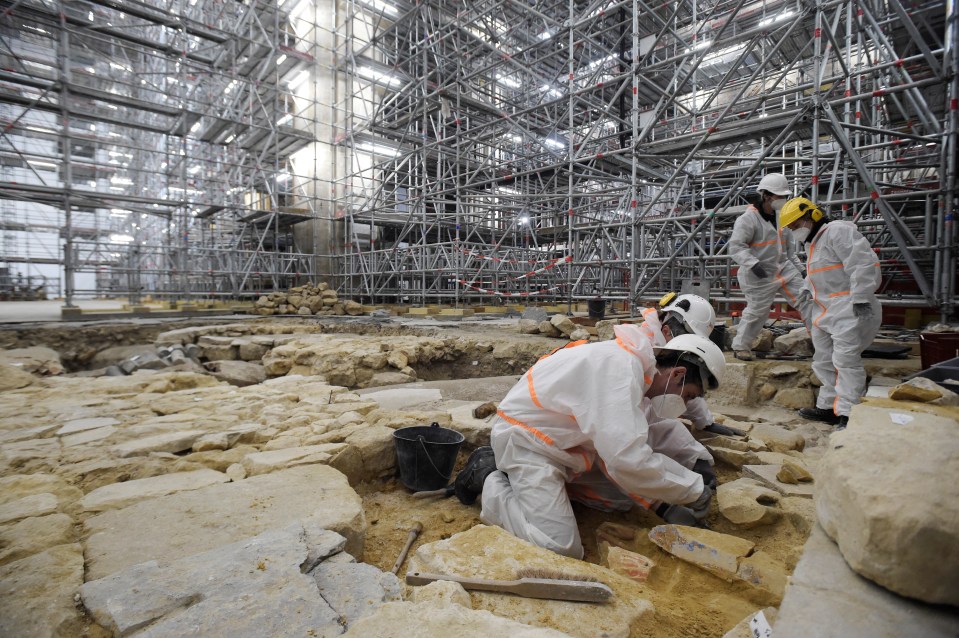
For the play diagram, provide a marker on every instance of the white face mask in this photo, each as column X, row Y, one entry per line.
column 669, row 406
column 802, row 234
column 778, row 204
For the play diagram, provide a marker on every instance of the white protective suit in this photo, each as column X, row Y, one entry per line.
column 842, row 270
column 578, row 414
column 696, row 409
column 756, row 241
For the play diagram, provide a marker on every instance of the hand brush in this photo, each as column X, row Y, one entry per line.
column 531, row 583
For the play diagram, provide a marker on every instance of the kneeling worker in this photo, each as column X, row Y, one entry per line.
column 842, row 278
column 577, row 419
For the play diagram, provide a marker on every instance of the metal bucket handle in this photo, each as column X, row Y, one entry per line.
column 422, row 441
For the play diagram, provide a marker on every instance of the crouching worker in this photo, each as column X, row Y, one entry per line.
column 575, row 427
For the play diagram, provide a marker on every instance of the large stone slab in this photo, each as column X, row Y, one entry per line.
column 747, row 503
column 33, row 505
column 355, row 590
column 405, row 619
column 81, row 425
column 264, row 462
column 475, row 431
column 36, row 594
column 33, row 535
column 399, row 399
column 169, row 442
column 885, row 492
column 260, row 586
column 826, row 599
column 117, row 495
column 178, row 525
column 491, row 552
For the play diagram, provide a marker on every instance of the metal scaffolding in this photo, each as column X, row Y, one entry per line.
column 573, row 150
column 159, row 146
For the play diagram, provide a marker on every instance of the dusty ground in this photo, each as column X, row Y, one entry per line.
column 688, row 600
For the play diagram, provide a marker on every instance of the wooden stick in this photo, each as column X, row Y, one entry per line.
column 410, row 539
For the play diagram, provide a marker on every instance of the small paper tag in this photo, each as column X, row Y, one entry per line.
column 899, row 418
column 759, row 626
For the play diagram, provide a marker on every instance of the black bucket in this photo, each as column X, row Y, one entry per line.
column 426, row 455
column 596, row 308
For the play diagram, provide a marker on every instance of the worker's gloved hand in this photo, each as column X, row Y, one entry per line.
column 804, row 274
column 805, row 296
column 700, row 507
column 705, row 470
column 716, row 428
column 863, row 311
column 759, row 271
column 677, row 515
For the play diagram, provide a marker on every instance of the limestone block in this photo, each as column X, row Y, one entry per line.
column 885, row 495
column 491, row 552
column 793, row 473
column 355, row 590
column 14, row 377
column 215, row 441
column 172, row 442
column 80, row 425
column 236, row 472
column 33, row 505
column 254, row 587
column 776, row 438
column 563, row 323
column 16, row 486
column 374, row 444
column 527, row 327
column 475, row 431
column 548, row 329
column 397, row 359
column 782, row 370
column 747, row 503
column 250, row 351
column 736, row 458
column 738, row 383
column 33, row 535
column 353, row 308
column 717, row 553
column 36, row 359
column 764, row 341
column 273, row 460
column 178, row 525
column 219, row 353
column 766, row 391
column 238, row 373
column 766, row 474
column 399, row 399
column 442, row 593
column 794, row 342
column 123, row 494
column 89, row 436
column 428, row 619
column 604, row 330
column 23, row 434
column 19, row 452
column 36, row 594
column 795, row 398
column 579, row 334
column 826, row 598
column 924, row 391
column 388, row 378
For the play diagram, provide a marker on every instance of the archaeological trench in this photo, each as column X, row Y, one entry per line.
column 238, row 477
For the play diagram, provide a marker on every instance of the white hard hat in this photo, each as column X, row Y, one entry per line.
column 695, row 312
column 705, row 352
column 775, row 183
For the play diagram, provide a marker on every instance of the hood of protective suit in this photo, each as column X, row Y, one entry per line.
column 633, row 339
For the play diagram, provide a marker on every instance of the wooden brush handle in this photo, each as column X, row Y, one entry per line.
column 554, row 589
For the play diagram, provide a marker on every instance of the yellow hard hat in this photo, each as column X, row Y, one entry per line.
column 795, row 208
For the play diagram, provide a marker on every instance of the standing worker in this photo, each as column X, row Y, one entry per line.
column 767, row 262
column 575, row 427
column 843, row 275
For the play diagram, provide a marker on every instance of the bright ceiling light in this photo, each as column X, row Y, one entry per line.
column 378, row 76
column 119, row 238
column 507, row 81
column 779, row 18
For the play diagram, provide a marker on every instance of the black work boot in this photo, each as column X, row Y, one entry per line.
column 819, row 414
column 469, row 482
column 843, row 422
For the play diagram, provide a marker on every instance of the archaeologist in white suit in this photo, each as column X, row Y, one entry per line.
column 767, row 262
column 842, row 278
column 576, row 427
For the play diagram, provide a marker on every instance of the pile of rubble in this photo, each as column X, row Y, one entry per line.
column 536, row 321
column 306, row 300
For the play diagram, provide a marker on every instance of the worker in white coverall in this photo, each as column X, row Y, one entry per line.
column 842, row 277
column 576, row 427
column 767, row 262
